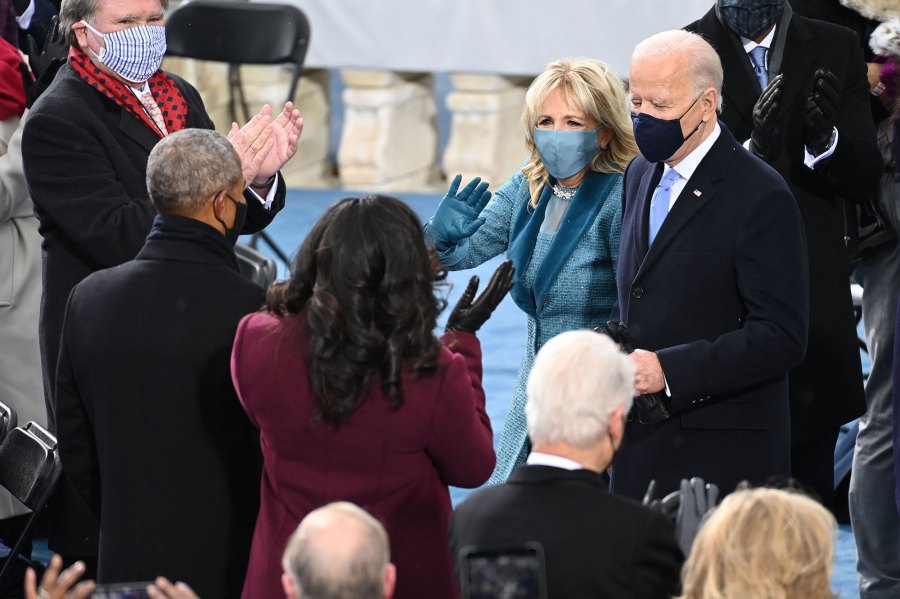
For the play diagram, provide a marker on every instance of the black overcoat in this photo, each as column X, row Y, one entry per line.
column 151, row 432
column 721, row 296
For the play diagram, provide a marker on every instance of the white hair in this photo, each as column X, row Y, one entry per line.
column 578, row 380
column 705, row 67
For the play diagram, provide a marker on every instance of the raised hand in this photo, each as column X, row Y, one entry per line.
column 253, row 142
column 457, row 217
column 820, row 113
column 471, row 313
column 288, row 126
column 697, row 498
column 767, row 136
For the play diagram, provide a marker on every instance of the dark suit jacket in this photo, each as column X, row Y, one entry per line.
column 151, row 432
column 722, row 298
column 595, row 544
column 826, row 389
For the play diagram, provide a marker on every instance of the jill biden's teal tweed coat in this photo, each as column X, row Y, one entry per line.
column 568, row 280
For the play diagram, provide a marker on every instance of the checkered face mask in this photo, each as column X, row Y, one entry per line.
column 750, row 18
column 134, row 53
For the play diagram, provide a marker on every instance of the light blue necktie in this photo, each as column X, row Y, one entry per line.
column 758, row 58
column 659, row 203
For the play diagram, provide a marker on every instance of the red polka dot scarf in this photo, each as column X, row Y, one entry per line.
column 171, row 102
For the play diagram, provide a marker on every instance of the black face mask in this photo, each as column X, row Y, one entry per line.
column 749, row 18
column 659, row 139
column 240, row 215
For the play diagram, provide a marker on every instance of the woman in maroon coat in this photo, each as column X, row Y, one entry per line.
column 355, row 398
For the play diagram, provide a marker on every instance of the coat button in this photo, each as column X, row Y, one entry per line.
column 637, row 292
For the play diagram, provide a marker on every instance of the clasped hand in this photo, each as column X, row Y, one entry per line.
column 457, row 216
column 265, row 145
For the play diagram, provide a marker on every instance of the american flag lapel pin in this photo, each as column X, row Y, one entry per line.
column 698, row 193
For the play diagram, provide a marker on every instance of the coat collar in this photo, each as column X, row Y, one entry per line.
column 526, row 474
column 580, row 215
column 182, row 239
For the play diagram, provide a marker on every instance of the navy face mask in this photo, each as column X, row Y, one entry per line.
column 749, row 18
column 659, row 139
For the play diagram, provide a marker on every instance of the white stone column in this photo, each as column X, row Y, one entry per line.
column 265, row 84
column 389, row 138
column 486, row 135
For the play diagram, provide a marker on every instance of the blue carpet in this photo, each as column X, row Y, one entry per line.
column 502, row 338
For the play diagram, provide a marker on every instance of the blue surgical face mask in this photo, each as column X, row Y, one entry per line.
column 566, row 153
column 134, row 53
column 659, row 139
column 749, row 18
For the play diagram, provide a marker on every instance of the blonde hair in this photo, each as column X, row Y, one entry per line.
column 597, row 90
column 762, row 543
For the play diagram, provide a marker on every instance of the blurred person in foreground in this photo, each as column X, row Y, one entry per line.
column 712, row 282
column 763, row 543
column 557, row 219
column 151, row 434
column 57, row 583
column 595, row 544
column 357, row 400
column 338, row 552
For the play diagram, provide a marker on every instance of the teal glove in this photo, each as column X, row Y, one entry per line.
column 457, row 217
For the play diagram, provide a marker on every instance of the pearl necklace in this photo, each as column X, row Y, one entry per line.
column 563, row 192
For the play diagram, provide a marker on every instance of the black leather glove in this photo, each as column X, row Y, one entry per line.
column 470, row 313
column 768, row 135
column 45, row 56
column 820, row 113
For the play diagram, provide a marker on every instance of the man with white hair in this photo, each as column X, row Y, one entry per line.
column 338, row 551
column 595, row 544
column 712, row 283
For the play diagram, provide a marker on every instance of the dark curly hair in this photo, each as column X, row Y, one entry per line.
column 365, row 282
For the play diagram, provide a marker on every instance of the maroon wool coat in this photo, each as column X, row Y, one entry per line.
column 396, row 464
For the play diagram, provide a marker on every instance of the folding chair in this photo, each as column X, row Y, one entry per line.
column 7, row 420
column 256, row 266
column 29, row 469
column 241, row 33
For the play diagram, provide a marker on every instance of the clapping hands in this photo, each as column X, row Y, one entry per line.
column 264, row 144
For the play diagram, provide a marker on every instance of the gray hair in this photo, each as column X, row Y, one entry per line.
column 339, row 551
column 72, row 11
column 705, row 67
column 189, row 166
column 578, row 380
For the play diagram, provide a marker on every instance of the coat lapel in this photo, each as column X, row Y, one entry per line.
column 646, row 187
column 698, row 192
column 135, row 129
